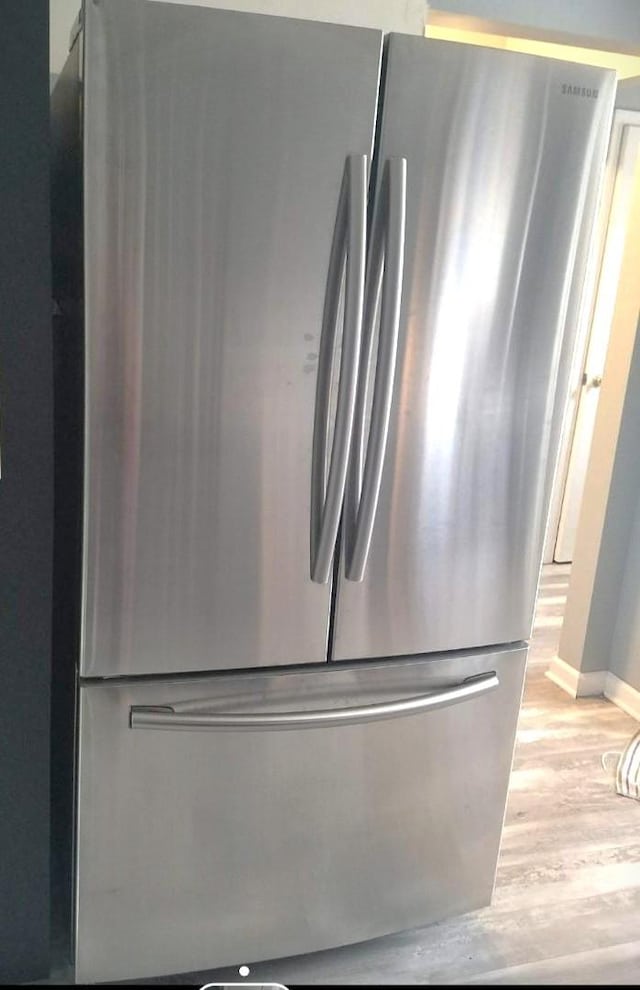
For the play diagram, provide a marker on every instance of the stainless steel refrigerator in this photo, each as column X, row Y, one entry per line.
column 327, row 291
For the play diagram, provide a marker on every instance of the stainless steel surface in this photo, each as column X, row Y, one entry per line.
column 202, row 849
column 349, row 241
column 503, row 168
column 215, row 144
column 173, row 717
column 387, row 255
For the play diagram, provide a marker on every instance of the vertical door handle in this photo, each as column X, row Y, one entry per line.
column 348, row 249
column 385, row 266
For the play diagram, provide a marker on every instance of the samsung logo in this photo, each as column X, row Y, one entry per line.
column 579, row 91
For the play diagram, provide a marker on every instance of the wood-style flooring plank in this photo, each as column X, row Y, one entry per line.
column 618, row 964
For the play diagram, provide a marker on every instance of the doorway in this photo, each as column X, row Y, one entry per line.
column 600, row 294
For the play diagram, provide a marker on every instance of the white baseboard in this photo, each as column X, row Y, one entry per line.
column 564, row 675
column 575, row 683
column 623, row 695
column 595, row 682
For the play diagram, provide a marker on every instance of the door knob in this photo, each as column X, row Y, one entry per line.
column 594, row 382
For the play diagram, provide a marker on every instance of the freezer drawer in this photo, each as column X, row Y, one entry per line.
column 333, row 806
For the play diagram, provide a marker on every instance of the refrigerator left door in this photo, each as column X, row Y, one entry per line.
column 215, row 144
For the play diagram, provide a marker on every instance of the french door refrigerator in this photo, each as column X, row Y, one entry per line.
column 329, row 293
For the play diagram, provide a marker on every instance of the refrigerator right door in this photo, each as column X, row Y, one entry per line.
column 504, row 157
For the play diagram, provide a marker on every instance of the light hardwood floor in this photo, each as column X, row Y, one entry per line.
column 566, row 908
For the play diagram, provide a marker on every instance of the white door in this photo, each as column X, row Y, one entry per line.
column 583, row 402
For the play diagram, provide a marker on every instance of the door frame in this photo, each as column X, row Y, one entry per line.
column 621, row 120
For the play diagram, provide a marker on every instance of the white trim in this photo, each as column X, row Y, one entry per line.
column 564, row 675
column 575, row 683
column 594, row 683
column 624, row 118
column 623, row 695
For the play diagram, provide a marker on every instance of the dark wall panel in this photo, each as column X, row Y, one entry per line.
column 25, row 490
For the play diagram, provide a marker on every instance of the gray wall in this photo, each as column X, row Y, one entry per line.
column 628, row 95
column 26, row 492
column 615, row 603
column 621, row 537
column 617, row 21
column 613, row 21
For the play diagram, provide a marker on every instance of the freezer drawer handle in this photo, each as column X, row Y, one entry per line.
column 171, row 716
column 385, row 266
column 348, row 248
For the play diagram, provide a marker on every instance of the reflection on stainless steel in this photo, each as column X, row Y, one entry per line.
column 171, row 716
column 212, row 172
column 327, row 486
column 210, row 848
column 384, row 288
column 502, row 174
